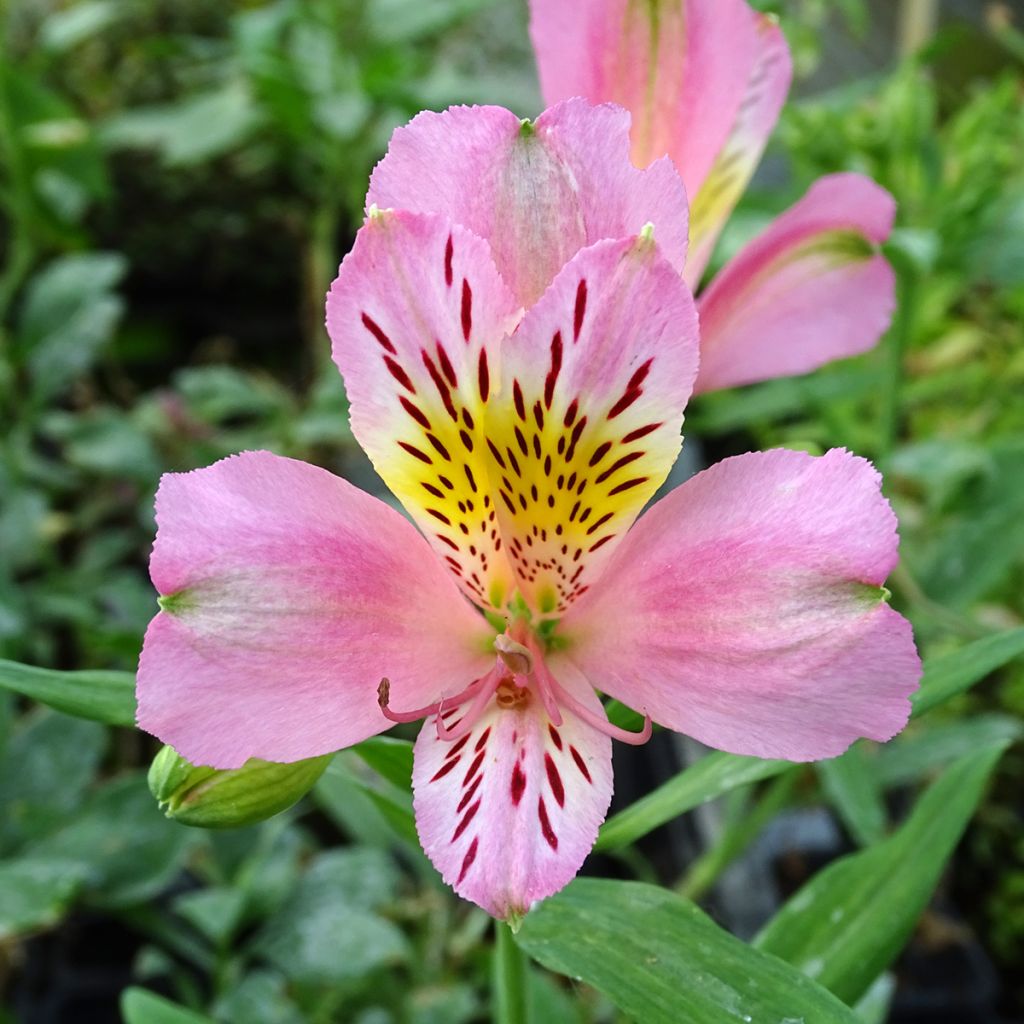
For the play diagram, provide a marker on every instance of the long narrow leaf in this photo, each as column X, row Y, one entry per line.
column 107, row 697
column 850, row 921
column 662, row 960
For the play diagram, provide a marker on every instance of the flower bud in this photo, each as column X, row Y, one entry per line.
column 215, row 798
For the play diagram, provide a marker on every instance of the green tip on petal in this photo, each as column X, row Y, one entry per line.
column 515, row 919
column 527, row 129
column 174, row 603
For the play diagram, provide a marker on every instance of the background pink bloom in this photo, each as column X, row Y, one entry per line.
column 705, row 81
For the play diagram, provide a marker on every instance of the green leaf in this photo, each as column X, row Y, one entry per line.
column 390, row 758
column 35, row 893
column 47, row 766
column 916, row 753
column 711, row 776
column 215, row 911
column 100, row 696
column 953, row 673
column 850, row 921
column 70, row 312
column 662, row 960
column 128, row 848
column 193, row 130
column 853, row 790
column 327, row 932
column 140, row 1006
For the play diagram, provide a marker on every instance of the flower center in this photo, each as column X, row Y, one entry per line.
column 519, row 674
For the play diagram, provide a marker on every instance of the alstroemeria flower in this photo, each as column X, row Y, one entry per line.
column 705, row 81
column 300, row 615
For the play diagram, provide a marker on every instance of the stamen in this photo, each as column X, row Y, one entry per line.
column 518, row 658
column 384, row 694
column 547, row 694
column 488, row 684
column 599, row 723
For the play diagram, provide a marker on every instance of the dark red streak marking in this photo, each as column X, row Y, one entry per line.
column 554, row 779
column 381, row 337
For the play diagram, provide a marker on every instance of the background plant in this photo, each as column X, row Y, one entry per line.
column 178, row 183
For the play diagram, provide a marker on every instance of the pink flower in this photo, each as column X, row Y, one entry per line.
column 300, row 615
column 705, row 81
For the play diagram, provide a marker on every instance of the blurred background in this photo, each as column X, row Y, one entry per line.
column 179, row 180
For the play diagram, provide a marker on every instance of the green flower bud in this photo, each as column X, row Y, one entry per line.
column 213, row 798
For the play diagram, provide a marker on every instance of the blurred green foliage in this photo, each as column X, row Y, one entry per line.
column 178, row 181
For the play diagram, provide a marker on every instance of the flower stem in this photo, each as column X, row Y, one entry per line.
column 508, row 981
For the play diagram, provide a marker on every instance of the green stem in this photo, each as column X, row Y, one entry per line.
column 508, row 978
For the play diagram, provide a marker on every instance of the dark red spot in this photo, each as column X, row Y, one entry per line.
column 473, row 768
column 594, row 527
column 458, row 746
column 464, row 824
column 545, row 825
column 468, row 795
column 442, row 387
column 480, row 743
column 431, row 489
column 581, row 764
column 521, row 440
column 619, row 463
column 375, row 330
column 497, row 455
column 581, row 309
column 467, row 419
column 601, row 543
column 483, row 376
column 446, row 482
column 513, row 461
column 577, row 432
column 470, row 478
column 635, row 435
column 467, row 441
column 570, row 413
column 517, row 398
column 444, row 769
column 554, row 779
column 467, row 309
column 449, row 251
column 600, row 452
column 468, row 859
column 627, row 485
column 415, row 412
column 446, row 365
column 439, row 515
column 556, row 366
column 440, row 448
column 452, row 545
column 538, row 415
column 633, row 390
column 518, row 784
column 416, row 453
column 555, row 736
column 399, row 374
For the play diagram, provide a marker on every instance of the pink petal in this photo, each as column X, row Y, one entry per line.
column 811, row 289
column 416, row 318
column 538, row 193
column 291, row 594
column 509, row 813
column 744, row 610
column 586, row 428
column 734, row 165
column 704, row 80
